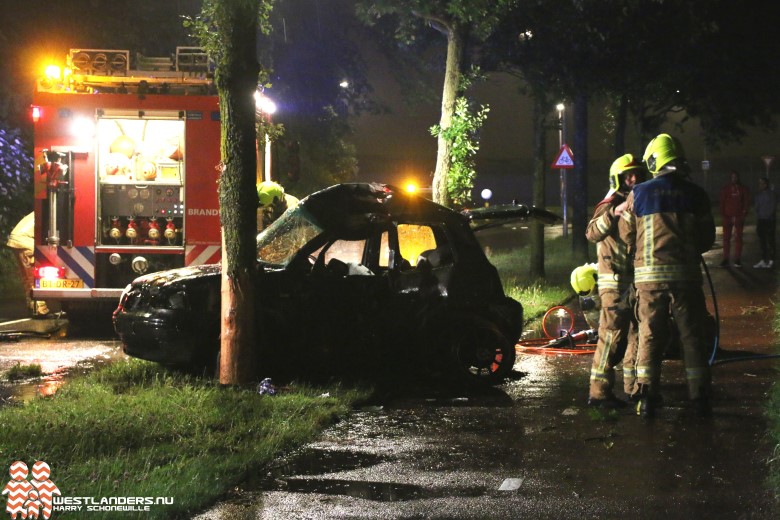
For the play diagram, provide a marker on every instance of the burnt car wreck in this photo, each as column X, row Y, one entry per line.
column 358, row 278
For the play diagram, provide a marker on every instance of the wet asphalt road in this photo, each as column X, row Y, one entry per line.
column 61, row 355
column 529, row 448
column 447, row 455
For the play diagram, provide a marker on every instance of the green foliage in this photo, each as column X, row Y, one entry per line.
column 211, row 27
column 463, row 136
column 136, row 429
column 19, row 371
column 415, row 15
column 16, row 169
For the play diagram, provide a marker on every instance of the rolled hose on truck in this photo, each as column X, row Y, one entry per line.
column 583, row 342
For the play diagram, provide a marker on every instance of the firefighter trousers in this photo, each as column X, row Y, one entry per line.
column 684, row 301
column 618, row 338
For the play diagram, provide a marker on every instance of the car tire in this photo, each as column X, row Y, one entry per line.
column 479, row 352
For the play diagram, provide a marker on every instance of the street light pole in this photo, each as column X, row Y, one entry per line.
column 266, row 108
column 561, row 136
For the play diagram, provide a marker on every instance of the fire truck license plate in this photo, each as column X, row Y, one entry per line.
column 61, row 284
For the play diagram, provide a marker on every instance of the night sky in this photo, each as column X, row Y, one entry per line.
column 398, row 146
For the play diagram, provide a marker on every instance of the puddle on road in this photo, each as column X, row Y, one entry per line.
column 317, row 462
column 376, row 491
column 297, row 474
column 56, row 375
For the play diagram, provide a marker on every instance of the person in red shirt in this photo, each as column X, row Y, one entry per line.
column 734, row 205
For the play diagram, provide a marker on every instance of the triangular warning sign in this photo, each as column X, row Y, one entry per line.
column 564, row 159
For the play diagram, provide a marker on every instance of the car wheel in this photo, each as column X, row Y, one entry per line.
column 479, row 352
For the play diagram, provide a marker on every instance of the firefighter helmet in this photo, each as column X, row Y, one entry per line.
column 662, row 150
column 583, row 278
column 267, row 191
column 622, row 164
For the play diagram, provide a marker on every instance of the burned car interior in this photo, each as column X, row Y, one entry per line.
column 359, row 278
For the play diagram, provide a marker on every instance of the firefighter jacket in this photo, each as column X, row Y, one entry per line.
column 614, row 263
column 668, row 225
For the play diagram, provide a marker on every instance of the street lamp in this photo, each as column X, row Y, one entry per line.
column 486, row 196
column 561, row 136
column 265, row 107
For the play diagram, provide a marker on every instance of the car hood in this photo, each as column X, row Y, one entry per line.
column 177, row 276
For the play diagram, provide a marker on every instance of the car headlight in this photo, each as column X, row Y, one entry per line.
column 178, row 300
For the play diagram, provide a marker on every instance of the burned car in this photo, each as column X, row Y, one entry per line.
column 357, row 277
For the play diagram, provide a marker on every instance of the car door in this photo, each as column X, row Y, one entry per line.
column 343, row 300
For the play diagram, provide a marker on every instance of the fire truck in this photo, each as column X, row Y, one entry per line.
column 126, row 168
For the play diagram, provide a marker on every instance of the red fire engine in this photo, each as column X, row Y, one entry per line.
column 126, row 172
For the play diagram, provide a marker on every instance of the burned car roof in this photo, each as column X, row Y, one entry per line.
column 357, row 208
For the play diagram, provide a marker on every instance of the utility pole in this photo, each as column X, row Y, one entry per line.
column 561, row 140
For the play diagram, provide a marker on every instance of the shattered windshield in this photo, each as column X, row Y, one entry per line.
column 279, row 242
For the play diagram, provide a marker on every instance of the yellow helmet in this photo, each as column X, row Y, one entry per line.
column 583, row 278
column 622, row 164
column 662, row 150
column 267, row 191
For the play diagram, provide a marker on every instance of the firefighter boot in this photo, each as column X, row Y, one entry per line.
column 645, row 406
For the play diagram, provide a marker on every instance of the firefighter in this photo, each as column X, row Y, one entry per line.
column 22, row 241
column 272, row 201
column 617, row 331
column 668, row 222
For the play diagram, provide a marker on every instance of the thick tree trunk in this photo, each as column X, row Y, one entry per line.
column 236, row 82
column 237, row 353
column 540, row 175
column 455, row 44
column 580, row 215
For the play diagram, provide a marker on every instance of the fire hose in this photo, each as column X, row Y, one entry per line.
column 583, row 342
column 567, row 343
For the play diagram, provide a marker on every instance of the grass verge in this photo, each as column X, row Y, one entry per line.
column 134, row 429
column 19, row 371
column 538, row 295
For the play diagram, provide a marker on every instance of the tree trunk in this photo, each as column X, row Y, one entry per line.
column 539, row 118
column 236, row 78
column 455, row 44
column 580, row 215
column 237, row 351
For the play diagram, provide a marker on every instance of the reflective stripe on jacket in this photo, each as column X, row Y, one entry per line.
column 668, row 221
column 614, row 263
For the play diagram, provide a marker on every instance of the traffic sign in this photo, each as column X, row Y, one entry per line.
column 564, row 159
